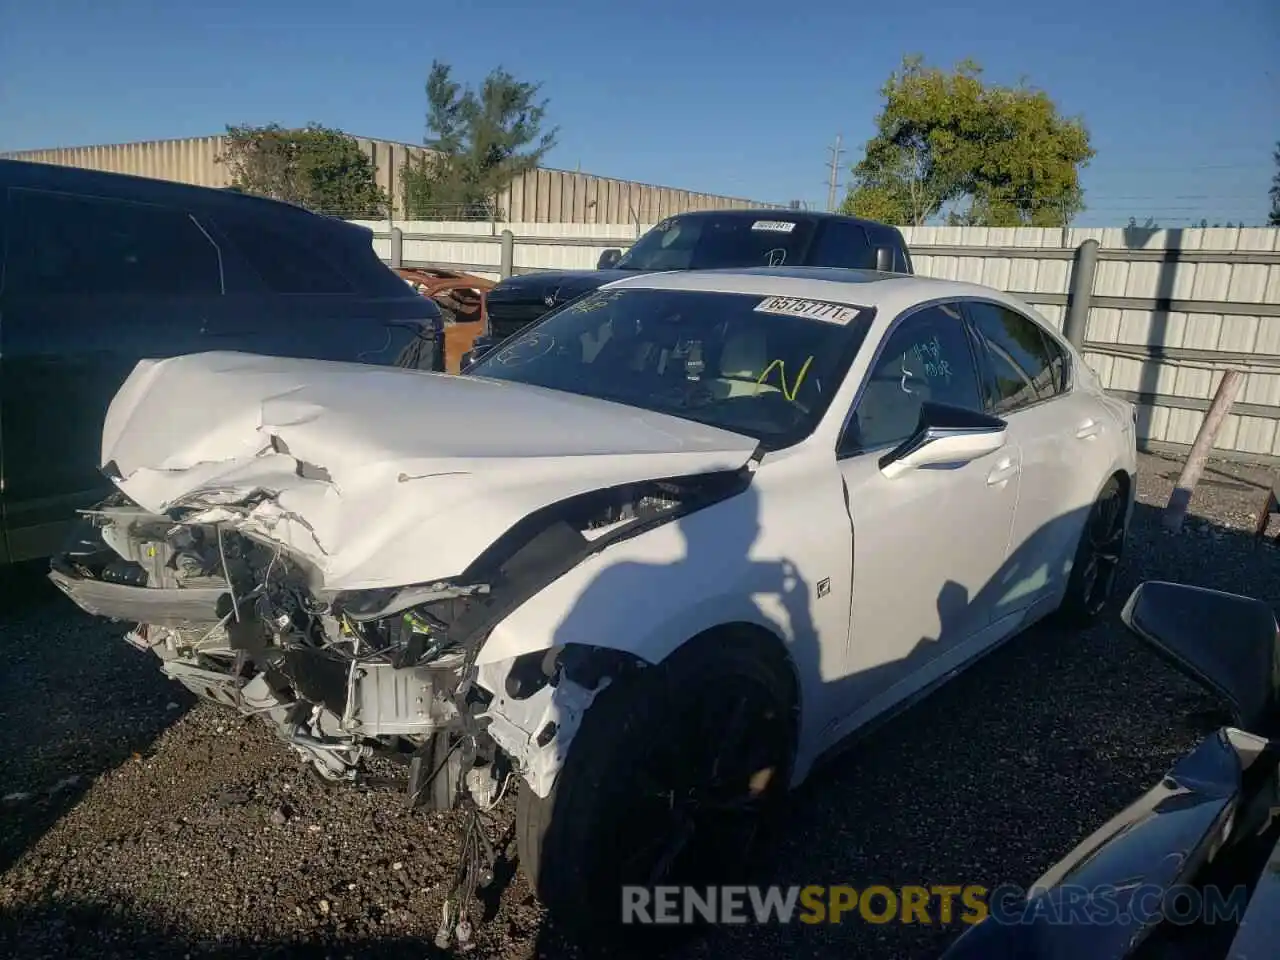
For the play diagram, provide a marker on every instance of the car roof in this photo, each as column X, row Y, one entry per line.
column 125, row 186
column 866, row 288
column 775, row 213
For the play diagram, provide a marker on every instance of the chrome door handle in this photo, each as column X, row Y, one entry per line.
column 1088, row 429
column 1002, row 471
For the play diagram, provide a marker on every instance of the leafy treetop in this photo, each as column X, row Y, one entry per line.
column 316, row 167
column 478, row 142
column 991, row 155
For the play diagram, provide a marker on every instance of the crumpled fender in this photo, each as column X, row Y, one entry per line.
column 647, row 595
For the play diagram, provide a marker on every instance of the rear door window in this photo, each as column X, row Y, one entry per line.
column 1026, row 365
column 287, row 261
column 63, row 244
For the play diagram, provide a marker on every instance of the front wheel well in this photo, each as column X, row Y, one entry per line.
column 772, row 648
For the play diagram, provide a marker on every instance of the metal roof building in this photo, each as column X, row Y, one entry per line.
column 540, row 196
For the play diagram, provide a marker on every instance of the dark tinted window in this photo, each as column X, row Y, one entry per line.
column 62, row 244
column 927, row 358
column 842, row 244
column 713, row 242
column 287, row 261
column 1027, row 366
column 763, row 366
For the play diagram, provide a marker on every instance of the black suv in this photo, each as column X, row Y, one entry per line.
column 703, row 240
column 101, row 270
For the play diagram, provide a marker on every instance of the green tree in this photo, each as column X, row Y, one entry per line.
column 1273, row 218
column 477, row 142
column 990, row 155
column 314, row 166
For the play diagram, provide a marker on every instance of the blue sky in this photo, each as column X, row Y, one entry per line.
column 744, row 98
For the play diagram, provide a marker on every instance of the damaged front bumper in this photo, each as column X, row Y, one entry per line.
column 238, row 622
column 342, row 677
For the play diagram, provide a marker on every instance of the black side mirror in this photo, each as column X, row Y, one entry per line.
column 1227, row 643
column 884, row 259
column 945, row 435
column 609, row 259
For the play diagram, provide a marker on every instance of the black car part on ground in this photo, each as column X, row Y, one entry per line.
column 1192, row 868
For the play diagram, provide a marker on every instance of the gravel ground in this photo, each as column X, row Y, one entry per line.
column 136, row 823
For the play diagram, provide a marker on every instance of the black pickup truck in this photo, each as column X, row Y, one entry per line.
column 702, row 240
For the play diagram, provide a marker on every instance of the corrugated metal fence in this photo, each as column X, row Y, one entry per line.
column 1170, row 309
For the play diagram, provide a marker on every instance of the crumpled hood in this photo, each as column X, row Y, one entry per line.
column 379, row 476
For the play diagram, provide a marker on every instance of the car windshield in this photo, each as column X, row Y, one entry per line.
column 716, row 242
column 758, row 365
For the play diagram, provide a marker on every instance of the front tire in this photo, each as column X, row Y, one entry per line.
column 671, row 780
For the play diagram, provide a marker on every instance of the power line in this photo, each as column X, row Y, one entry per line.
column 834, row 165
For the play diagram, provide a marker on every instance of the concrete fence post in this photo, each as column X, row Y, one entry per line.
column 508, row 254
column 1080, row 291
column 397, row 247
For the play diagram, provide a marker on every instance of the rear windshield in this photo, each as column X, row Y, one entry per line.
column 765, row 367
column 713, row 242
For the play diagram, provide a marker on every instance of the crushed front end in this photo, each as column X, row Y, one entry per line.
column 242, row 623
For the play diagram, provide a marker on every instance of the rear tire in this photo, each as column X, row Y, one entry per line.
column 673, row 778
column 1095, row 568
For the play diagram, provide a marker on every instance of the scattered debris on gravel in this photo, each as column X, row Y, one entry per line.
column 136, row 823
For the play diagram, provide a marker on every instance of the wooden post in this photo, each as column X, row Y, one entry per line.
column 1176, row 510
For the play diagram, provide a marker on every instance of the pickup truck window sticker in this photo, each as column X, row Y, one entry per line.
column 809, row 309
column 776, row 226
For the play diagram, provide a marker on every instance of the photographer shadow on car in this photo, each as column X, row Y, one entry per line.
column 677, row 765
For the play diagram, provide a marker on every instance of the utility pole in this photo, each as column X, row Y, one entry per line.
column 832, row 184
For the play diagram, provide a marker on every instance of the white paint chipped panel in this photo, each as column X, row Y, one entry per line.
column 1261, row 388
column 1211, row 281
column 1104, row 324
column 1139, row 327
column 1239, row 334
column 1248, row 282
column 1126, row 373
column 1111, row 278
column 1202, row 331
column 1259, row 238
column 1194, row 382
column 1268, row 336
column 1153, row 422
column 1229, row 433
column 995, row 272
column 1183, row 425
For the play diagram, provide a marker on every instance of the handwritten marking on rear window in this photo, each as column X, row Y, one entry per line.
column 929, row 353
column 809, row 309
column 776, row 226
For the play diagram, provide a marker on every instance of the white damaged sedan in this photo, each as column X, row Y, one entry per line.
column 649, row 560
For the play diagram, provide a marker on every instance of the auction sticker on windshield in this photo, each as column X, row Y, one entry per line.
column 810, row 309
column 777, row 226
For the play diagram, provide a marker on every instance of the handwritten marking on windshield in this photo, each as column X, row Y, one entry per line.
column 809, row 309
column 782, row 377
